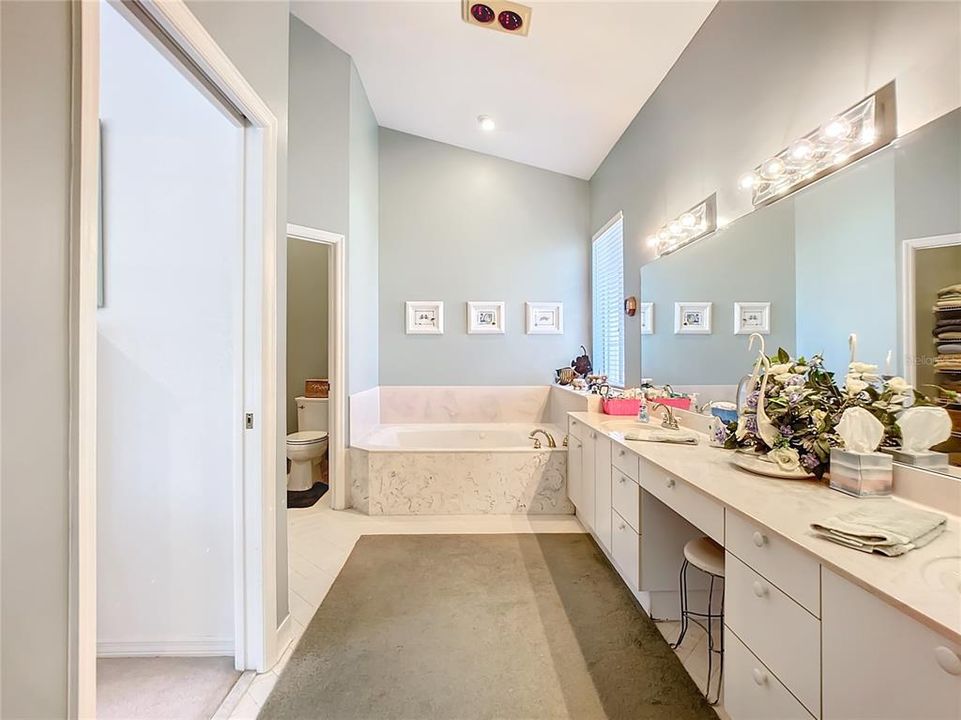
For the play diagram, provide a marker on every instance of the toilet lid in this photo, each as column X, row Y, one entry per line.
column 306, row 437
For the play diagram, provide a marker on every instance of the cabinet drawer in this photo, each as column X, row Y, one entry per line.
column 751, row 692
column 625, row 498
column 625, row 547
column 625, row 461
column 781, row 633
column 790, row 569
column 880, row 664
column 701, row 511
column 575, row 428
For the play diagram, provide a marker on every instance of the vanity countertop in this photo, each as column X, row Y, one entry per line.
column 788, row 507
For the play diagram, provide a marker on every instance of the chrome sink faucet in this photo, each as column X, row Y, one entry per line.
column 670, row 422
column 537, row 442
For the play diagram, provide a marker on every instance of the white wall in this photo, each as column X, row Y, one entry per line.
column 35, row 47
column 756, row 76
column 168, row 353
column 456, row 225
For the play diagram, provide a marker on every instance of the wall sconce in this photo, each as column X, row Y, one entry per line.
column 859, row 130
column 687, row 227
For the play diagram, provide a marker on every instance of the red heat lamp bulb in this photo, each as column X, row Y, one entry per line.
column 509, row 20
column 482, row 13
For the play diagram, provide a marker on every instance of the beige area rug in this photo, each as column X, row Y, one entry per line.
column 482, row 626
column 163, row 688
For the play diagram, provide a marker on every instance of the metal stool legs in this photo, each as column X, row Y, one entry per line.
column 686, row 618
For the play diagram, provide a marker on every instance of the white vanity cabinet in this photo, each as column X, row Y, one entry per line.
column 881, row 664
column 602, row 490
column 575, row 471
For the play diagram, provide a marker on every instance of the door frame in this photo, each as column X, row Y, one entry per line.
column 257, row 631
column 336, row 355
column 909, row 249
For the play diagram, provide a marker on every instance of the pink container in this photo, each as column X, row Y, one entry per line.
column 620, row 406
column 678, row 402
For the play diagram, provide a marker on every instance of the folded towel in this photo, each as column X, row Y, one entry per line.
column 882, row 526
column 681, row 438
column 950, row 349
column 950, row 290
column 947, row 335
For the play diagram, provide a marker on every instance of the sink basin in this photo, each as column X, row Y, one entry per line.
column 943, row 573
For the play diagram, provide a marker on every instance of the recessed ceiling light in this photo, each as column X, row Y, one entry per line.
column 486, row 123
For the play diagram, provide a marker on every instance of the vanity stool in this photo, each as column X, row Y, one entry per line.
column 708, row 557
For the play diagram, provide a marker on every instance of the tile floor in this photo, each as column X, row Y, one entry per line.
column 319, row 541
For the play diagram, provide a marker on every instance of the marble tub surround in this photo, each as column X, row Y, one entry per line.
column 788, row 507
column 526, row 482
column 464, row 404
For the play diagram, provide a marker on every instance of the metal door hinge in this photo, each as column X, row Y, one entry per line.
column 249, row 421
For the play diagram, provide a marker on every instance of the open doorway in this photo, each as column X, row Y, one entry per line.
column 169, row 383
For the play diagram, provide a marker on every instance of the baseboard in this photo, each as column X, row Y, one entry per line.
column 160, row 648
column 285, row 635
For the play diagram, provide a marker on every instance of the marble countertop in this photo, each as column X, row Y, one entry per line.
column 788, row 507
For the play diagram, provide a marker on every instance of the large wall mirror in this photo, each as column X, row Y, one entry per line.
column 867, row 250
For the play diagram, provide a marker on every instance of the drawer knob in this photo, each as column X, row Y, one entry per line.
column 593, row 436
column 621, row 526
column 759, row 590
column 760, row 540
column 760, row 677
column 622, row 479
column 670, row 482
column 948, row 660
column 621, row 453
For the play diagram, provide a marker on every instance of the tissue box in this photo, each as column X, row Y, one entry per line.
column 862, row 474
column 927, row 459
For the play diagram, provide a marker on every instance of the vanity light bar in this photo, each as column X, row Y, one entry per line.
column 687, row 227
column 859, row 130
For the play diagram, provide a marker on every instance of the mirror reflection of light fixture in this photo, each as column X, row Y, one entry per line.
column 689, row 226
column 859, row 130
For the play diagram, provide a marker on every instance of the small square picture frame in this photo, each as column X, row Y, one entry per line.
column 485, row 318
column 545, row 318
column 645, row 311
column 692, row 318
column 424, row 317
column 752, row 317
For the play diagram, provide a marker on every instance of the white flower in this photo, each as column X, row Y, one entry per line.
column 854, row 385
column 860, row 368
column 818, row 417
column 779, row 369
column 787, row 458
column 899, row 385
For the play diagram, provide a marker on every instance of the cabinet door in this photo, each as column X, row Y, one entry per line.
column 586, row 512
column 575, row 462
column 602, row 490
column 880, row 664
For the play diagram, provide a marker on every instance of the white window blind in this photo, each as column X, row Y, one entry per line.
column 607, row 283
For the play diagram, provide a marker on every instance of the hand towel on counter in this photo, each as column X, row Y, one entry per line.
column 882, row 526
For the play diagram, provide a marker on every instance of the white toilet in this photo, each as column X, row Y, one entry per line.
column 306, row 447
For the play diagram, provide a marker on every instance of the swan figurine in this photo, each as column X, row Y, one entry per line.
column 765, row 428
column 752, row 383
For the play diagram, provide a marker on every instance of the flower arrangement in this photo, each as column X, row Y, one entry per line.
column 796, row 425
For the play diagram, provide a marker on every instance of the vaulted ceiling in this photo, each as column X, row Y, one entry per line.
column 560, row 97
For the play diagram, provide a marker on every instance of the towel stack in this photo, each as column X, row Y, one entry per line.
column 947, row 329
column 882, row 526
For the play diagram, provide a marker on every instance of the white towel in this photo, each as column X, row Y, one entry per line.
column 882, row 526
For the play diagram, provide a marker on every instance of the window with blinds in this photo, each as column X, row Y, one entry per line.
column 607, row 283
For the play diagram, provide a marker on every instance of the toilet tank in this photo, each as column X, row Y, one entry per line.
column 312, row 413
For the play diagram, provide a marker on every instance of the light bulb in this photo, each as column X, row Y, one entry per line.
column 675, row 227
column 772, row 169
column 688, row 220
column 663, row 235
column 836, row 129
column 802, row 150
column 867, row 134
column 652, row 241
column 486, row 123
column 747, row 181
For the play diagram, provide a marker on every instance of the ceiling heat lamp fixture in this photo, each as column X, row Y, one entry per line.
column 699, row 221
column 858, row 131
column 508, row 17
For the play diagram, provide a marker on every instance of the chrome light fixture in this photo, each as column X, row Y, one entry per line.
column 859, row 130
column 687, row 227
